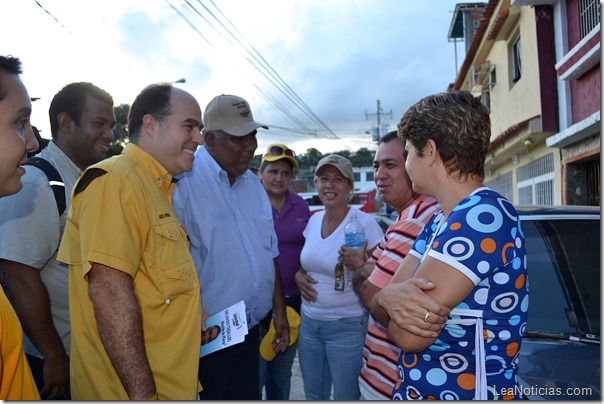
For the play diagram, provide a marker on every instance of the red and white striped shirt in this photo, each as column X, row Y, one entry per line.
column 380, row 355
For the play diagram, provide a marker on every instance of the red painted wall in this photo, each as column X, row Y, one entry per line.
column 585, row 94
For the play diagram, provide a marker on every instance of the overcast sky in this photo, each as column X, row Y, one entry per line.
column 313, row 70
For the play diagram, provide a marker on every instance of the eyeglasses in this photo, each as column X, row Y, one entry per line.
column 280, row 151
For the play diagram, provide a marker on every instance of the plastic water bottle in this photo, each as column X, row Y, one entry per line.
column 355, row 233
column 354, row 238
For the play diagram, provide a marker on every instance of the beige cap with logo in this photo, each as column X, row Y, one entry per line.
column 340, row 162
column 231, row 114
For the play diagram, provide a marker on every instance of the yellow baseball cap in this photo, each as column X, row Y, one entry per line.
column 266, row 345
column 278, row 151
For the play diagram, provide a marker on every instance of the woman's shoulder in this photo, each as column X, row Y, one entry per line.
column 317, row 217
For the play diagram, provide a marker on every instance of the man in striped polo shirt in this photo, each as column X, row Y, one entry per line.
column 380, row 355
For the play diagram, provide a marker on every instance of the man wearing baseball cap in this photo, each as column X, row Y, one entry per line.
column 228, row 216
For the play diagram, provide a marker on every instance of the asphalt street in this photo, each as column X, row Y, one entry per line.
column 297, row 387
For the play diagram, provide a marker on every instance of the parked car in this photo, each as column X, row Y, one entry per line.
column 364, row 200
column 313, row 201
column 560, row 353
column 383, row 219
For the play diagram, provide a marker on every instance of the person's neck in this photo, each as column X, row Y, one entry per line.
column 404, row 205
column 448, row 197
column 332, row 219
column 338, row 214
column 277, row 201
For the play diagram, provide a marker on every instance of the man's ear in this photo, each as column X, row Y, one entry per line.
column 65, row 122
column 149, row 125
column 209, row 140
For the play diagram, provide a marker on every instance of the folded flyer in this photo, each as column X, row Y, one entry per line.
column 233, row 328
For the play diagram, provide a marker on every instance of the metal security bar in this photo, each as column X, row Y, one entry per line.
column 536, row 182
column 589, row 16
column 503, row 185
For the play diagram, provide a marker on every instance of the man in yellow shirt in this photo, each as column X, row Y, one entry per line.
column 16, row 139
column 134, row 295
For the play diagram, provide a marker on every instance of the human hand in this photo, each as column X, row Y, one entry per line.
column 281, row 340
column 411, row 309
column 354, row 258
column 210, row 334
column 204, row 317
column 56, row 378
column 304, row 281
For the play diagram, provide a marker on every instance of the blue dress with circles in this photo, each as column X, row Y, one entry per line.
column 483, row 239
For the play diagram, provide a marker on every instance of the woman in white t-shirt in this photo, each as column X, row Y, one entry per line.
column 334, row 322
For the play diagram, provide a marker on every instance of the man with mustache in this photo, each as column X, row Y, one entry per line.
column 380, row 354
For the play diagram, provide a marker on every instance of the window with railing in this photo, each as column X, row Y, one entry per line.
column 503, row 185
column 536, row 182
column 589, row 16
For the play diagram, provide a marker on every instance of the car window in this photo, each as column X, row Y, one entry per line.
column 564, row 275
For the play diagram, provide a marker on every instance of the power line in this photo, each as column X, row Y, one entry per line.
column 189, row 13
column 282, row 85
column 379, row 113
column 53, row 17
column 278, row 77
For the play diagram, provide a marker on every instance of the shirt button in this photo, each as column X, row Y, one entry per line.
column 167, row 301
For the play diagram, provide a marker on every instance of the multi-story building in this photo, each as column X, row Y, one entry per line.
column 541, row 83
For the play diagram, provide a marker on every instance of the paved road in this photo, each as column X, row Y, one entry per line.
column 297, row 387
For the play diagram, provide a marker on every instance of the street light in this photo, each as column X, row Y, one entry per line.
column 180, row 81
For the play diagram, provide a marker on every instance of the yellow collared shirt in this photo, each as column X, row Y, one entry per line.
column 124, row 219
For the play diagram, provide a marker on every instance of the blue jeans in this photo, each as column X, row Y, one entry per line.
column 331, row 352
column 275, row 376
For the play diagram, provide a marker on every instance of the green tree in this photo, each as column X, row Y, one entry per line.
column 255, row 163
column 310, row 158
column 344, row 153
column 362, row 158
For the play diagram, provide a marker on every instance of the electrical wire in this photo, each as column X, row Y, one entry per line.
column 250, row 54
column 50, row 14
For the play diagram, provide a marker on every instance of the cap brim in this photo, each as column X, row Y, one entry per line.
column 270, row 158
column 347, row 176
column 266, row 345
column 245, row 129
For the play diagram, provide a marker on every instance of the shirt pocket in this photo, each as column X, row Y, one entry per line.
column 175, row 267
column 265, row 228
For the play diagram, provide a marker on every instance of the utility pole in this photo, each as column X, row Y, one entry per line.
column 379, row 113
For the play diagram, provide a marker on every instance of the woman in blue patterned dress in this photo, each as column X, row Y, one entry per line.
column 473, row 251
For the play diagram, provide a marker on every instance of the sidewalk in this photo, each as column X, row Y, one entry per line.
column 297, row 387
